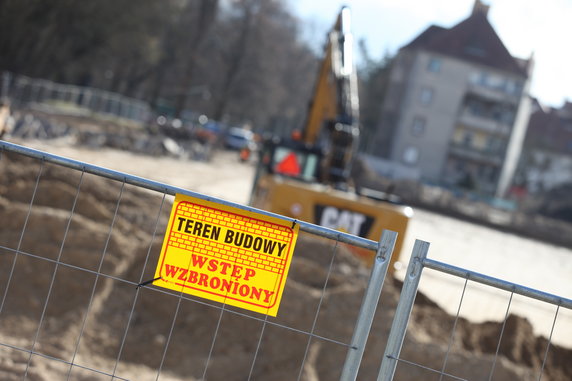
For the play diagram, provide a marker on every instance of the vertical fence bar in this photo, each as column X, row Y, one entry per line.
column 548, row 344
column 500, row 337
column 369, row 305
column 330, row 267
column 451, row 339
column 101, row 260
column 403, row 311
column 137, row 289
column 257, row 348
column 6, row 77
column 86, row 97
column 173, row 323
column 54, row 274
column 34, row 89
column 13, row 267
column 213, row 342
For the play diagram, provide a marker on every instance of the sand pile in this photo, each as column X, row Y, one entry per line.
column 117, row 244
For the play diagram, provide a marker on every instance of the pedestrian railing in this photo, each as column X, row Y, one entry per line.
column 80, row 100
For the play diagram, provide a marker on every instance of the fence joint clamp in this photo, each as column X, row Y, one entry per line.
column 143, row 284
column 382, row 253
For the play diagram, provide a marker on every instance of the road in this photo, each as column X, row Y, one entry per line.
column 516, row 259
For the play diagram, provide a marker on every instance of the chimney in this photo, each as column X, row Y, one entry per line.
column 480, row 7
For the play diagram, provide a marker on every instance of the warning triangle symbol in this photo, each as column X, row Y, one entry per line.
column 289, row 165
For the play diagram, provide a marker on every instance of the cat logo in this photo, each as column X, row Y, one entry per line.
column 343, row 220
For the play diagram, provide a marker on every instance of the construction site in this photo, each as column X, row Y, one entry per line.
column 520, row 355
column 378, row 278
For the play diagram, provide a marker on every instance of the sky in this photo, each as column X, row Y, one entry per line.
column 539, row 27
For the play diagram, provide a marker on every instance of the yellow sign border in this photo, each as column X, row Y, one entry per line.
column 253, row 252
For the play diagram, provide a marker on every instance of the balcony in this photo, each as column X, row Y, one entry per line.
column 493, row 94
column 488, row 125
column 486, row 156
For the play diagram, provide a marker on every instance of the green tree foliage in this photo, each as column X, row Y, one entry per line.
column 235, row 61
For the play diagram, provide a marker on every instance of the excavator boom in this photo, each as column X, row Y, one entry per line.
column 309, row 178
column 333, row 114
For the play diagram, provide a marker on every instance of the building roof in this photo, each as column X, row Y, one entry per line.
column 551, row 130
column 566, row 110
column 474, row 40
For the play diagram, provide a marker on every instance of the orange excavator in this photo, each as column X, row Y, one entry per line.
column 307, row 176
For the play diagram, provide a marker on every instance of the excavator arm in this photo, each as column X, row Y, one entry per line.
column 309, row 178
column 333, row 116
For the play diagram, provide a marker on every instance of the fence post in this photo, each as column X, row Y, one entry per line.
column 369, row 305
column 403, row 311
column 6, row 79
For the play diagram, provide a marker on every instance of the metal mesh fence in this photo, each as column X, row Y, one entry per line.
column 395, row 362
column 77, row 246
column 73, row 99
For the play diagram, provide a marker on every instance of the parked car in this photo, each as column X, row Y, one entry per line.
column 208, row 133
column 239, row 138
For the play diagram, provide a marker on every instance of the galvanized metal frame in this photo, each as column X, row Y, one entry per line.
column 497, row 283
column 355, row 349
column 403, row 311
column 383, row 249
column 418, row 262
column 172, row 190
column 368, row 306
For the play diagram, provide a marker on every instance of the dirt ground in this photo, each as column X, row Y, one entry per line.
column 109, row 301
column 516, row 259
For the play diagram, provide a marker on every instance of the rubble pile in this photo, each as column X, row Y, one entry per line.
column 151, row 139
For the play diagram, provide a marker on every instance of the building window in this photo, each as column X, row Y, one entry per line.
column 496, row 82
column 494, row 145
column 467, row 139
column 410, row 155
column 475, row 107
column 483, row 79
column 426, row 96
column 487, row 173
column 434, row 65
column 497, row 112
column 418, row 126
column 517, row 90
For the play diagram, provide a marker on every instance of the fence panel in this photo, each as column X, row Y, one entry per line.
column 488, row 367
column 72, row 99
column 77, row 246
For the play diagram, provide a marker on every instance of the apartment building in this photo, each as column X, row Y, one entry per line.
column 546, row 160
column 457, row 107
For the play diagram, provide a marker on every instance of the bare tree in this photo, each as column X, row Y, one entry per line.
column 205, row 18
column 373, row 77
column 247, row 54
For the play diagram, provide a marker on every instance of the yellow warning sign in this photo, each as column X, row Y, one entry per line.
column 226, row 254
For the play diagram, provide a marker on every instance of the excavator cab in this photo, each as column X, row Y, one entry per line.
column 292, row 159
